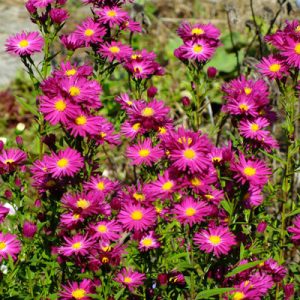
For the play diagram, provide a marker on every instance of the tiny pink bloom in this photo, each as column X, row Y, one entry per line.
column 24, row 43
column 190, row 211
column 29, row 229
column 112, row 15
column 100, row 186
column 130, row 279
column 3, row 213
column 148, row 241
column 11, row 158
column 76, row 245
column 9, row 246
column 137, row 217
column 273, row 67
column 115, row 50
column 144, row 153
column 295, row 230
column 65, row 163
column 254, row 129
column 107, row 230
column 218, row 240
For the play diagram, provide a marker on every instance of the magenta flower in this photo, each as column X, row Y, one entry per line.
column 148, row 241
column 295, row 230
column 29, row 229
column 190, row 211
column 9, row 246
column 144, row 153
column 89, row 32
column 198, row 50
column 253, row 171
column 58, row 15
column 57, row 109
column 218, row 240
column 112, row 15
column 291, row 52
column 11, row 158
column 100, row 186
column 107, row 230
column 70, row 220
column 24, row 43
column 273, row 67
column 137, row 217
column 3, row 213
column 130, row 279
column 254, row 129
column 65, row 163
column 76, row 245
column 115, row 50
column 41, row 3
column 77, row 290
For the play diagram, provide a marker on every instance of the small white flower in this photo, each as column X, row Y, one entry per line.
column 3, row 139
column 12, row 210
column 20, row 127
column 4, row 269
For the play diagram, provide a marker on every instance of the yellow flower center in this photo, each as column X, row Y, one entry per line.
column 103, row 134
column 238, row 296
column 249, row 171
column 77, row 245
column 71, row 72
column 60, row 105
column 79, row 293
column 111, row 13
column 275, row 68
column 189, row 154
column 215, row 240
column 195, row 181
column 297, row 48
column 74, row 91
column 147, row 242
column 100, row 185
column 114, row 49
column 216, row 159
column 81, row 120
column 136, row 56
column 297, row 29
column 127, row 280
column 105, row 260
column 9, row 161
column 197, row 49
column 182, row 140
column 162, row 130
column 197, row 31
column 23, row 43
column 2, row 245
column 254, row 127
column 106, row 248
column 62, row 163
column 144, row 152
column 136, row 215
column 76, row 216
column 139, row 196
column 167, row 186
column 89, row 32
column 244, row 107
column 189, row 212
column 83, row 203
column 247, row 90
column 147, row 112
column 102, row 228
column 138, row 69
column 136, row 126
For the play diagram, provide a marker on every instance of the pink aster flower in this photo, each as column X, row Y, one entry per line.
column 131, row 130
column 9, row 246
column 58, row 15
column 295, row 230
column 11, row 158
column 148, row 241
column 41, row 3
column 271, row 267
column 107, row 230
column 254, row 129
column 70, row 220
column 65, row 163
column 89, row 32
column 83, row 124
column 57, row 109
column 163, row 187
column 71, row 70
column 77, row 290
column 206, row 31
column 3, row 213
column 115, row 50
column 291, row 52
column 190, row 211
column 100, row 186
column 144, row 153
column 70, row 41
column 273, row 67
column 76, row 245
column 218, row 240
column 242, row 106
column 130, row 279
column 112, row 15
column 253, row 171
column 198, row 50
column 24, row 43
column 137, row 217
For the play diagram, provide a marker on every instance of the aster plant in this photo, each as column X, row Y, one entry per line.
column 130, row 204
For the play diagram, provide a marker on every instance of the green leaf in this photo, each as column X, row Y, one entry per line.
column 294, row 212
column 27, row 106
column 227, row 206
column 244, row 267
column 119, row 294
column 213, row 292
